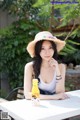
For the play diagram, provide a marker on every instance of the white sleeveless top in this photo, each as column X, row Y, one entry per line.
column 48, row 86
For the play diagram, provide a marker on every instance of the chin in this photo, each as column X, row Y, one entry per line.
column 47, row 59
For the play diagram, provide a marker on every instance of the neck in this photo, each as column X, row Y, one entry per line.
column 45, row 64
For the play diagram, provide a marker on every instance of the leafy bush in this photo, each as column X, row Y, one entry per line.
column 70, row 53
column 13, row 54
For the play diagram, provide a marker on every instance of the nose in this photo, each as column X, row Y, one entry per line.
column 47, row 51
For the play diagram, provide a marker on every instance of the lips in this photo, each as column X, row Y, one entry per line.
column 47, row 56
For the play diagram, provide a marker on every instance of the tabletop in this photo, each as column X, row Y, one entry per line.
column 47, row 110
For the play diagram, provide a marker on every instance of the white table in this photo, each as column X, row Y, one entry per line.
column 3, row 100
column 48, row 109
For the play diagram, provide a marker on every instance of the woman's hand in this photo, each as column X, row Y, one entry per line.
column 62, row 96
column 53, row 62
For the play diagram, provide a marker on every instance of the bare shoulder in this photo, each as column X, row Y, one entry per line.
column 62, row 67
column 29, row 65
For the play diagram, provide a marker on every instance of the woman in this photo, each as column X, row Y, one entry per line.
column 45, row 68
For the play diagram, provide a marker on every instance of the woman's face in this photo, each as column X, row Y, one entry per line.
column 46, row 51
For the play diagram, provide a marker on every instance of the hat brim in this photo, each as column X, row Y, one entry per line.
column 31, row 46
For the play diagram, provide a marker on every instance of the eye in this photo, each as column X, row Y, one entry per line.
column 42, row 48
column 51, row 47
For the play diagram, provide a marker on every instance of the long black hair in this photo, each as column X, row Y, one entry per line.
column 37, row 60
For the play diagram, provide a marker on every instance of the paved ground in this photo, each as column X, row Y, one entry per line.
column 75, row 118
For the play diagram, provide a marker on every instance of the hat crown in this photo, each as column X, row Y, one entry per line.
column 44, row 35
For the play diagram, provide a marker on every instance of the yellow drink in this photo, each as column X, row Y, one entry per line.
column 35, row 92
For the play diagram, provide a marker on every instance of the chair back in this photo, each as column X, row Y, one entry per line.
column 16, row 93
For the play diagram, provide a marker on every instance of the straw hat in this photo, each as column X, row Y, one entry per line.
column 44, row 35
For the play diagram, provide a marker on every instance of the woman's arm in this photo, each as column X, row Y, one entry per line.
column 28, row 71
column 58, row 96
column 61, row 71
column 60, row 85
column 60, row 75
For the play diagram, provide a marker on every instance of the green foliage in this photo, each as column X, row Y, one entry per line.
column 44, row 7
column 20, row 8
column 66, row 10
column 14, row 39
column 23, row 9
column 76, row 57
column 5, row 31
column 66, row 13
column 76, row 32
column 69, row 49
column 13, row 52
column 70, row 53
